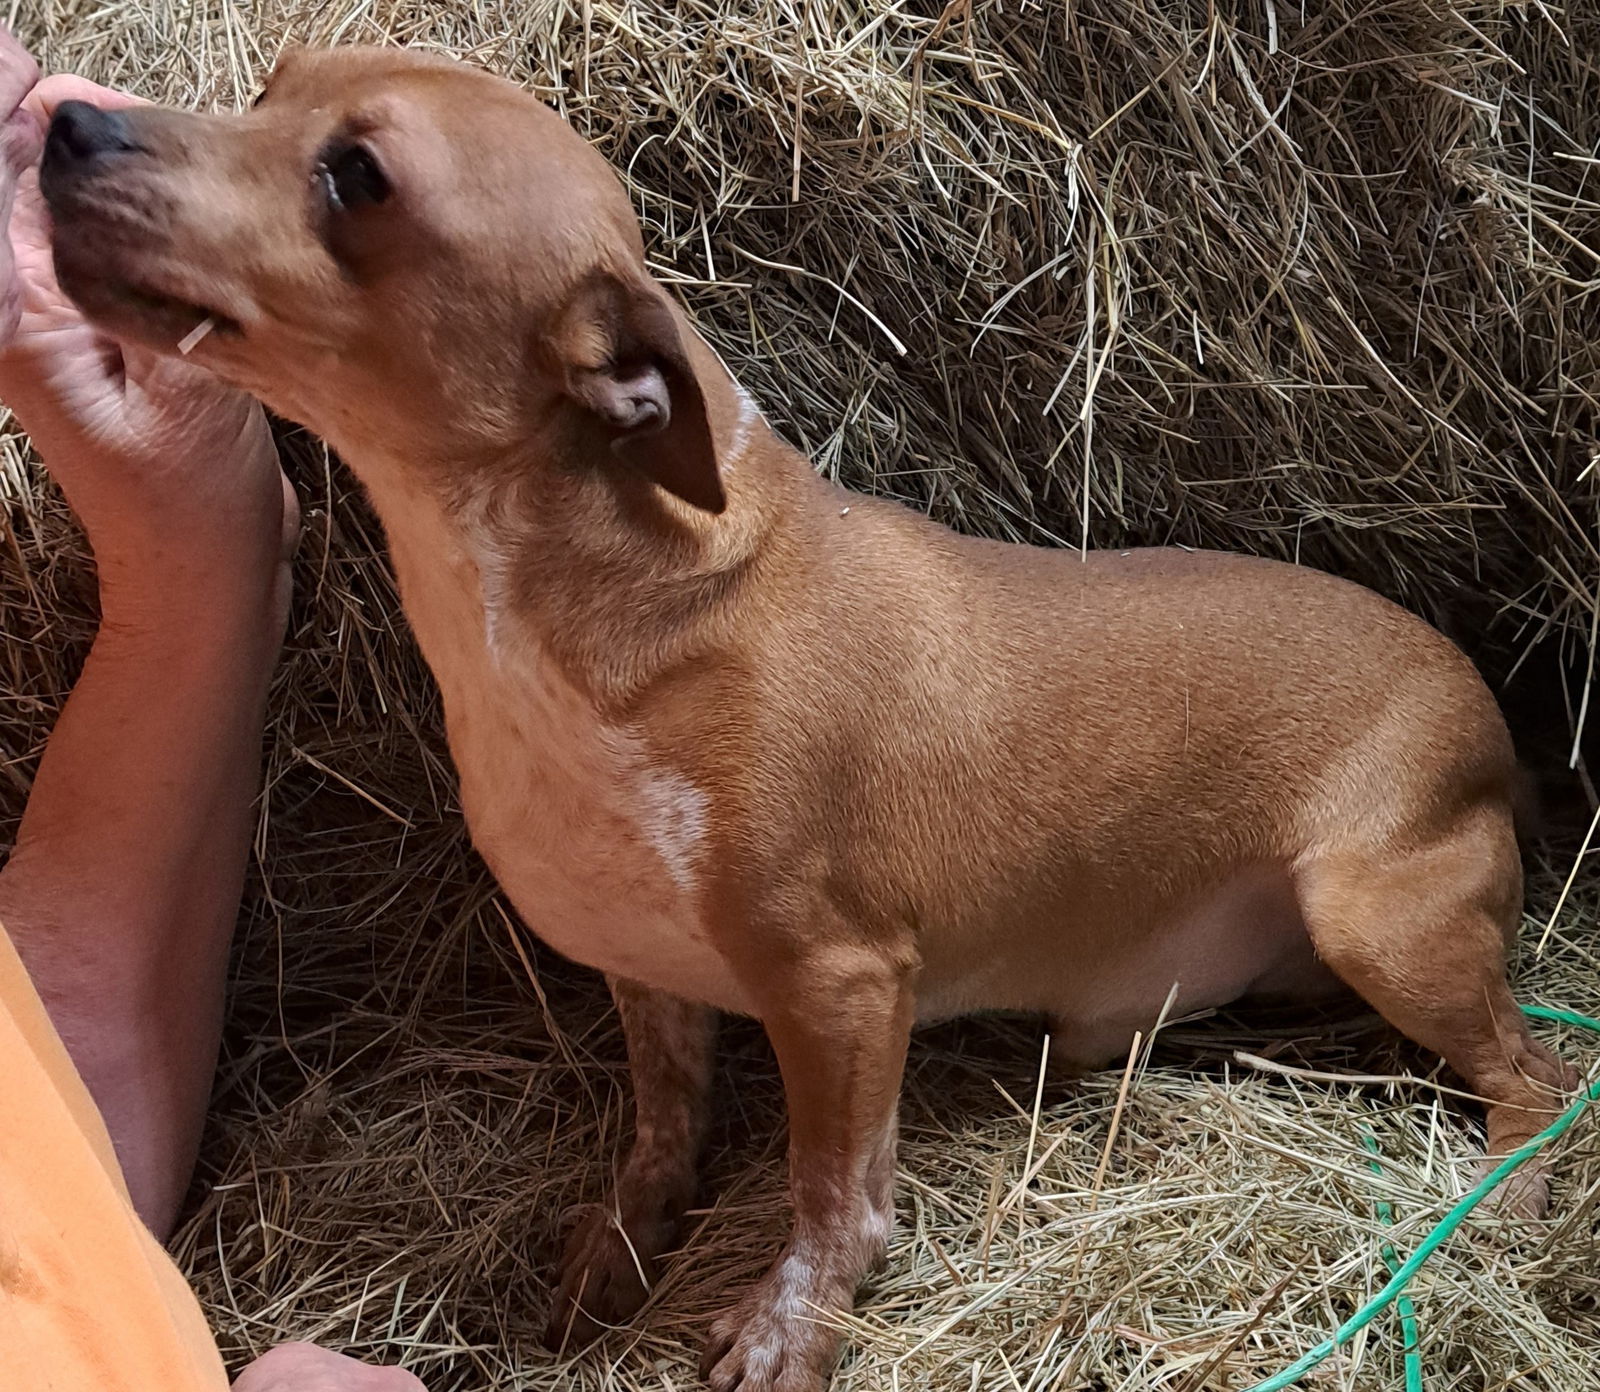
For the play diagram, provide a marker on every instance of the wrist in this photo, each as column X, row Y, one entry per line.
column 170, row 534
column 166, row 605
column 230, row 572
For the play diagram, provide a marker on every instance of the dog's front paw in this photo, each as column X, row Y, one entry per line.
column 606, row 1275
column 777, row 1339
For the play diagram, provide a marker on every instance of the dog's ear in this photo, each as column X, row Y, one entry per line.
column 624, row 363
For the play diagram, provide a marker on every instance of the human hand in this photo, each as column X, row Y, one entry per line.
column 19, row 150
column 307, row 1368
column 174, row 476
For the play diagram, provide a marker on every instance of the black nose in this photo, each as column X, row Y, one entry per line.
column 81, row 132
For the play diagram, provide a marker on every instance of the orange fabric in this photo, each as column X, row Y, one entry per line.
column 88, row 1300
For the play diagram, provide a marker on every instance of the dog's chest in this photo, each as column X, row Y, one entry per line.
column 598, row 847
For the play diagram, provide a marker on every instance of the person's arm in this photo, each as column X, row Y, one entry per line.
column 124, row 884
column 123, row 888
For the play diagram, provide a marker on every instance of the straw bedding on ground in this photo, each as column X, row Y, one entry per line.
column 1313, row 282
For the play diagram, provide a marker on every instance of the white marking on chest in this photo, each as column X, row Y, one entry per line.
column 674, row 816
column 598, row 846
column 482, row 545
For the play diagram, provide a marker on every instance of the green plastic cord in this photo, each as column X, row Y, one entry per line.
column 1445, row 1229
column 1403, row 1306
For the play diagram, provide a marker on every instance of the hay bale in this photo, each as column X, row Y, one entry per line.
column 1318, row 286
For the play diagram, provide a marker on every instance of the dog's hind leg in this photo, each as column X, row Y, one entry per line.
column 1421, row 933
column 1078, row 1049
column 611, row 1259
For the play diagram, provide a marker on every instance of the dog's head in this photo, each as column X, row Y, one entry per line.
column 389, row 248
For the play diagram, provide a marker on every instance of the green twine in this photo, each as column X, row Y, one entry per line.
column 1442, row 1232
column 1403, row 1306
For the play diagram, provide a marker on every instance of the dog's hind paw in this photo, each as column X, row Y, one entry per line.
column 1523, row 1194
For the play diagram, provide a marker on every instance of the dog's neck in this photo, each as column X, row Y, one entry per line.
column 583, row 561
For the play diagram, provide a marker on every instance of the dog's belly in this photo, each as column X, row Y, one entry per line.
column 1100, row 976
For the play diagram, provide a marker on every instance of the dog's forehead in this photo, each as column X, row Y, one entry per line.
column 475, row 126
column 453, row 96
column 304, row 71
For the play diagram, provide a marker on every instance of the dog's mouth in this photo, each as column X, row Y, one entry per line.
column 132, row 306
column 183, row 322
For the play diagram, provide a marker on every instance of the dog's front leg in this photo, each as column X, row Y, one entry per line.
column 610, row 1261
column 839, row 1023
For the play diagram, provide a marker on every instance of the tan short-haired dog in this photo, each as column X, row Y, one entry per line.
column 746, row 742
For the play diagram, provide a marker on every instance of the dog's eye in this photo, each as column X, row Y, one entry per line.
column 352, row 178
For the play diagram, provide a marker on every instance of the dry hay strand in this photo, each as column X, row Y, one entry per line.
column 1316, row 285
